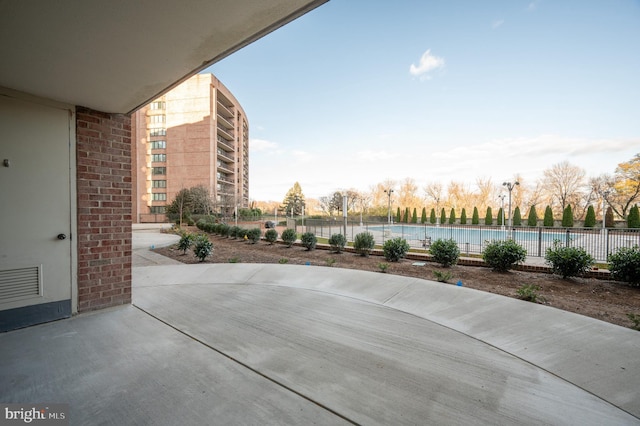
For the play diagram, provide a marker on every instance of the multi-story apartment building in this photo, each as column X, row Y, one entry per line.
column 196, row 134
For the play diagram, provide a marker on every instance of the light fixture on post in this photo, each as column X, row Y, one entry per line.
column 510, row 186
column 389, row 192
column 502, row 208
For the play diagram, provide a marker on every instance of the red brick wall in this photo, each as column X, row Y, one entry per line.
column 103, row 154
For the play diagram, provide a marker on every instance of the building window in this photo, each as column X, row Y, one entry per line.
column 158, row 132
column 156, row 158
column 157, row 105
column 158, row 209
column 161, row 118
column 159, row 183
column 159, row 196
column 158, row 170
column 158, row 144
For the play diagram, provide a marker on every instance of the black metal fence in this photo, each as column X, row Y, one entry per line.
column 472, row 239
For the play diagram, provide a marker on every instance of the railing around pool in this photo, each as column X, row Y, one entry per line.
column 471, row 239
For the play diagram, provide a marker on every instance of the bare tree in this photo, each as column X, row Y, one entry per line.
column 486, row 193
column 564, row 182
column 408, row 194
column 434, row 191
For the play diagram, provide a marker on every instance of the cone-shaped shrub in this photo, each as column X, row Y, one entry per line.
column 590, row 218
column 567, row 217
column 463, row 217
column 406, row 215
column 532, row 220
column 423, row 218
column 608, row 218
column 443, row 216
column 633, row 220
column 500, row 217
column 432, row 217
column 475, row 218
column 398, row 216
column 517, row 217
column 488, row 218
column 548, row 217
column 452, row 216
column 414, row 216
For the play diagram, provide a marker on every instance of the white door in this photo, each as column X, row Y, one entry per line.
column 35, row 212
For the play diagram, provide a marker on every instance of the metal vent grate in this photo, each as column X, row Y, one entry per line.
column 20, row 283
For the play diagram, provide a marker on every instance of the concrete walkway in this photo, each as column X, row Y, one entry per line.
column 289, row 344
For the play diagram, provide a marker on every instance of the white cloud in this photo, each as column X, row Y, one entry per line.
column 428, row 62
column 497, row 23
column 532, row 6
column 257, row 145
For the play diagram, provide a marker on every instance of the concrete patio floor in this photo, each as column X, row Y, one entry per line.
column 288, row 344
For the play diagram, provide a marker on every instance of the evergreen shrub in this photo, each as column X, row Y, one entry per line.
column 271, row 235
column 568, row 261
column 624, row 265
column 502, row 255
column 445, row 252
column 363, row 243
column 289, row 236
column 395, row 249
column 309, row 240
column 337, row 242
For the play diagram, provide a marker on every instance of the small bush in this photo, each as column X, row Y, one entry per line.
column 395, row 249
column 337, row 242
column 234, row 260
column 309, row 240
column 502, row 255
column 283, row 260
column 202, row 247
column 568, row 261
column 289, row 237
column 330, row 261
column 271, row 236
column 529, row 292
column 445, row 252
column 624, row 265
column 383, row 267
column 185, row 243
column 224, row 230
column 234, row 231
column 254, row 235
column 442, row 277
column 363, row 243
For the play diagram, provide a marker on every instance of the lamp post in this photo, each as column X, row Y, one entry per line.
column 510, row 186
column 437, row 211
column 389, row 192
column 502, row 208
column 605, row 194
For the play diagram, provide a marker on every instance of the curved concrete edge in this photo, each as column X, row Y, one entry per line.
column 591, row 354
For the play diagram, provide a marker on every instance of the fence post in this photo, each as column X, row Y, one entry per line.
column 539, row 242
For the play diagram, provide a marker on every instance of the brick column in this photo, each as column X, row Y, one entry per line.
column 103, row 154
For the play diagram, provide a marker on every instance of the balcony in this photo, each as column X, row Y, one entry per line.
column 224, row 145
column 225, row 123
column 224, row 133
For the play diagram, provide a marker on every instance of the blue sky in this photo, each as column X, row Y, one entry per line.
column 357, row 92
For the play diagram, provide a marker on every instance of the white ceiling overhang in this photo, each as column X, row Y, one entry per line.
column 117, row 55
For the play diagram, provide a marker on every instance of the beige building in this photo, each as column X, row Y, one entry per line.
column 196, row 134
